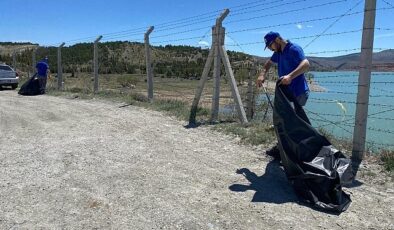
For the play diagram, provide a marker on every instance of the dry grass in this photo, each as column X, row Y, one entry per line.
column 387, row 157
column 164, row 88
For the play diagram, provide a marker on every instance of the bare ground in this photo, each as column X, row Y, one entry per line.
column 84, row 164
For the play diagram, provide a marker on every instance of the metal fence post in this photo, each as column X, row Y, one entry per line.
column 95, row 64
column 149, row 73
column 59, row 67
column 360, row 126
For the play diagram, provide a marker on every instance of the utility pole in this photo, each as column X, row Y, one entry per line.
column 360, row 126
column 149, row 72
column 59, row 67
column 95, row 63
column 216, row 54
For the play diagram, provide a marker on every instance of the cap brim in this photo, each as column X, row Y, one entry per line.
column 268, row 44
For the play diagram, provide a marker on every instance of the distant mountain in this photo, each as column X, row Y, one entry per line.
column 381, row 61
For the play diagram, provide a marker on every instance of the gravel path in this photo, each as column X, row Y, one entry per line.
column 84, row 164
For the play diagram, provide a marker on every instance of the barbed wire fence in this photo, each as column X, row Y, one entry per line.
column 178, row 77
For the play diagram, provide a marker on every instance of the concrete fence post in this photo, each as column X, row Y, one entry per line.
column 59, row 67
column 95, row 63
column 217, row 54
column 360, row 126
column 250, row 93
column 149, row 72
column 216, row 73
column 229, row 72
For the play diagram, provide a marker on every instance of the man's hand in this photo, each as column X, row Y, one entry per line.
column 285, row 80
column 260, row 80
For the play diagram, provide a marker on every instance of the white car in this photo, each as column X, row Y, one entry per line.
column 8, row 76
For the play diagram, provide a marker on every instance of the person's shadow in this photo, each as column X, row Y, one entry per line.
column 271, row 187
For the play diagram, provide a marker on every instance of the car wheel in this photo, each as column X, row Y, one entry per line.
column 14, row 86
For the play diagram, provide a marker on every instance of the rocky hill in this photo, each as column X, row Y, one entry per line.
column 381, row 61
column 118, row 57
column 169, row 60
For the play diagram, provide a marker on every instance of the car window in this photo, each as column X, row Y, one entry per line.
column 4, row 67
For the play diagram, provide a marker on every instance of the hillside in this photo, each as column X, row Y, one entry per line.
column 169, row 60
column 119, row 57
column 7, row 48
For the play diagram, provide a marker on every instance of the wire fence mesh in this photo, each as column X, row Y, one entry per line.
column 177, row 69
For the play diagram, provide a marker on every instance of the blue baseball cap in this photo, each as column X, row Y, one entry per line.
column 270, row 37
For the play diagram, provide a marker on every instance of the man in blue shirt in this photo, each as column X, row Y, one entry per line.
column 292, row 65
column 42, row 73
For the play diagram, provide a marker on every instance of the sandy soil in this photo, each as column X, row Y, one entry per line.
column 84, row 164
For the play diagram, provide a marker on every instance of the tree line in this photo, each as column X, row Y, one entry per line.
column 120, row 57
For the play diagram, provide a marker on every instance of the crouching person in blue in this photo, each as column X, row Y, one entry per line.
column 42, row 74
column 292, row 65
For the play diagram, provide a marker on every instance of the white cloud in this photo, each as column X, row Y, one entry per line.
column 300, row 26
column 203, row 43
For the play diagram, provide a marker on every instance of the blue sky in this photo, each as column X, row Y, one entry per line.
column 50, row 22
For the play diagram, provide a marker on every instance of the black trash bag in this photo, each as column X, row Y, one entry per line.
column 31, row 87
column 313, row 166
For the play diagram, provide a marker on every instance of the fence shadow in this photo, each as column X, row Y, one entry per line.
column 192, row 125
column 271, row 187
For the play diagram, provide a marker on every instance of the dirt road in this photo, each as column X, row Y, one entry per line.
column 84, row 164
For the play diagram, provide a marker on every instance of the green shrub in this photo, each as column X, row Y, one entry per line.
column 78, row 90
column 139, row 97
column 202, row 111
column 177, row 108
column 127, row 81
column 387, row 157
column 254, row 133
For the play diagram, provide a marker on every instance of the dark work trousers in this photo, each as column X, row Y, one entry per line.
column 43, row 83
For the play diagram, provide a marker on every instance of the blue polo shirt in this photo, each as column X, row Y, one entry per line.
column 287, row 61
column 42, row 68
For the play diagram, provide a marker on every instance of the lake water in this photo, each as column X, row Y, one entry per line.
column 334, row 109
